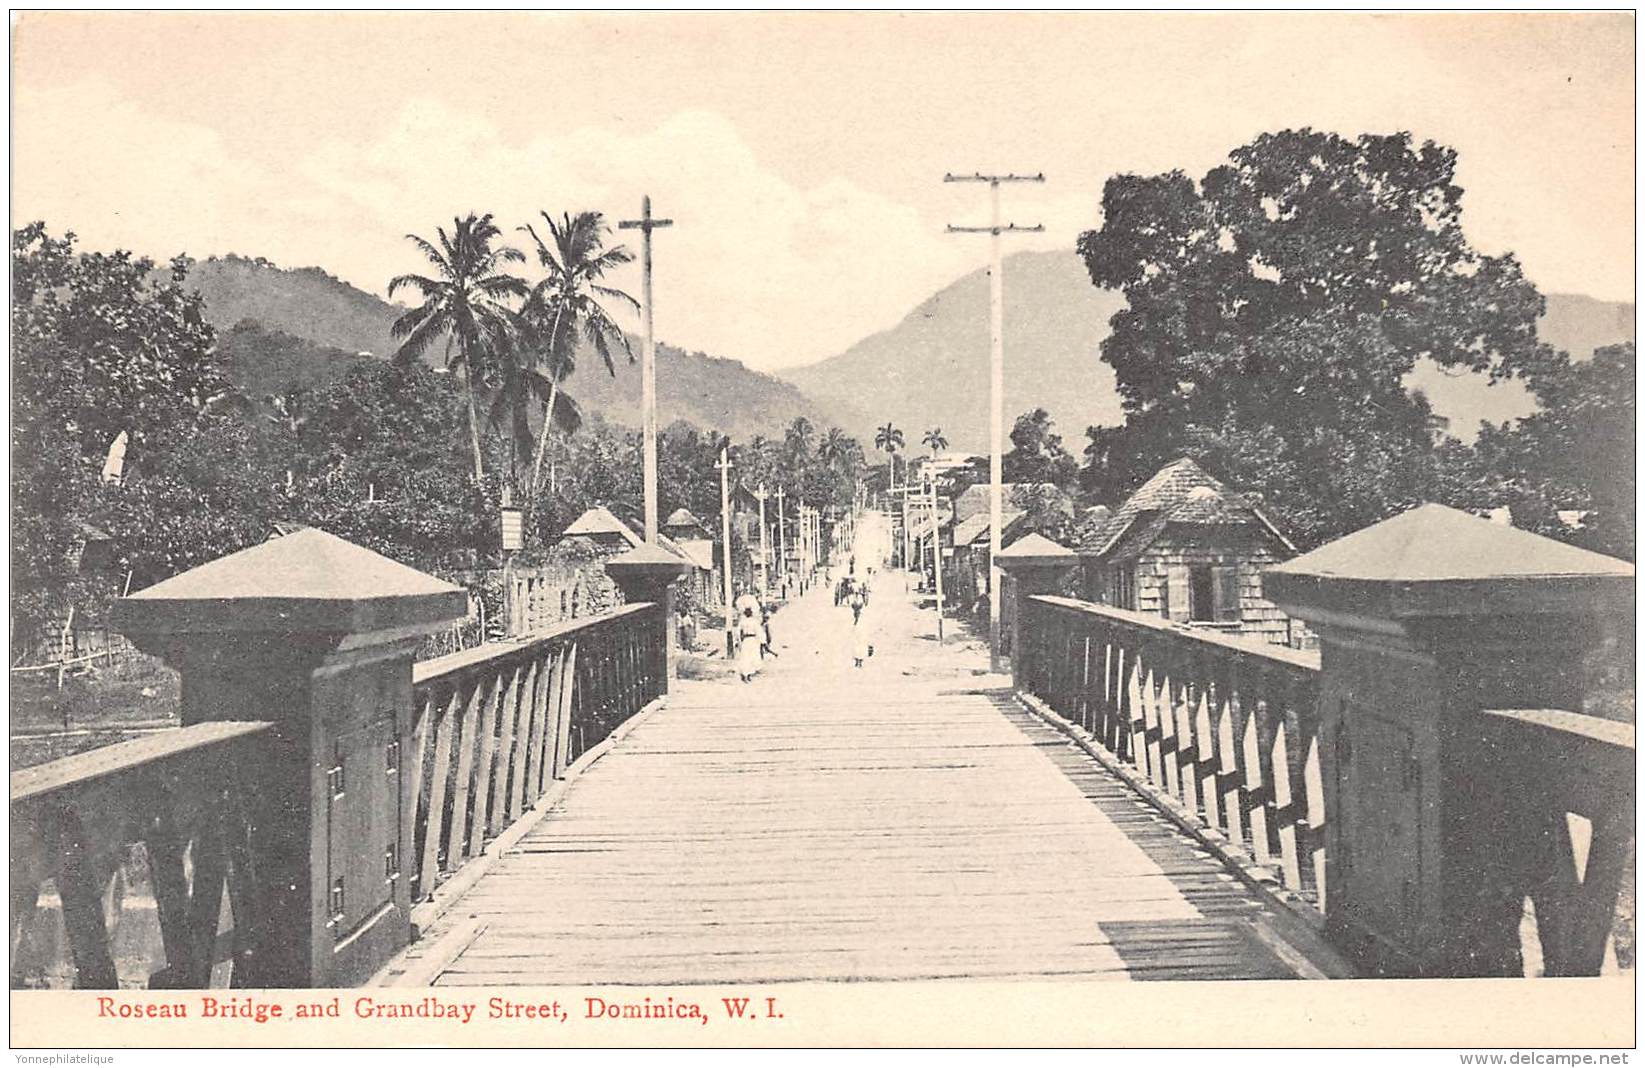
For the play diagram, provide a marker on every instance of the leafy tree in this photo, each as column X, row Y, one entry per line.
column 1045, row 511
column 99, row 346
column 1037, row 453
column 566, row 304
column 686, row 475
column 1576, row 454
column 1274, row 309
column 465, row 302
column 201, row 490
column 935, row 441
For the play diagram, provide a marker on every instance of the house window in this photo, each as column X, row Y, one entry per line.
column 1201, row 595
column 1124, row 585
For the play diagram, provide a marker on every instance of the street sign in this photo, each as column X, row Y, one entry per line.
column 513, row 530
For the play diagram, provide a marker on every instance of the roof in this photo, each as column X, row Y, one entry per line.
column 678, row 548
column 970, row 529
column 305, row 580
column 1179, row 492
column 681, row 517
column 699, row 551
column 598, row 521
column 1406, row 548
column 974, row 531
column 1033, row 549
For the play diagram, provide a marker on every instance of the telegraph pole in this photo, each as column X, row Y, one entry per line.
column 648, row 365
column 782, row 540
column 724, row 467
column 936, row 552
column 996, row 415
column 765, row 555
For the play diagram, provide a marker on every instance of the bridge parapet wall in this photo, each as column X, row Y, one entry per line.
column 324, row 779
column 1423, row 781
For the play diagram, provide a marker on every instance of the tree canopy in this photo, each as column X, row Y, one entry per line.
column 1274, row 309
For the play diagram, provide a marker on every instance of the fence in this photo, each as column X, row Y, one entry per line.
column 1228, row 729
column 497, row 725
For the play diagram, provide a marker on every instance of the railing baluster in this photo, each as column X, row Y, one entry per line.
column 526, row 740
column 1187, row 753
column 439, row 774
column 570, row 695
column 547, row 769
column 467, row 743
column 1136, row 711
column 1256, row 801
column 499, row 817
column 1284, row 814
column 1205, row 751
column 1228, row 778
column 1313, row 786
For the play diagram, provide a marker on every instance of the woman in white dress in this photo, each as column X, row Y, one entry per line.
column 750, row 634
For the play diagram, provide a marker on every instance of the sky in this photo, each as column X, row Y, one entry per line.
column 800, row 155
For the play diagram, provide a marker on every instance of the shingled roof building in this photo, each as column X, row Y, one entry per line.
column 1186, row 547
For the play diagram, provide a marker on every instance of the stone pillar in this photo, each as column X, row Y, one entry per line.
column 1030, row 566
column 648, row 573
column 316, row 635
column 1425, row 620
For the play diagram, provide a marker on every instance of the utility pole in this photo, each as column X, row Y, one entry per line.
column 996, row 415
column 724, row 467
column 782, row 540
column 907, row 564
column 648, row 365
column 936, row 553
column 765, row 556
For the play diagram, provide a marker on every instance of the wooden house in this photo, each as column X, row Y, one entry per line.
column 1187, row 548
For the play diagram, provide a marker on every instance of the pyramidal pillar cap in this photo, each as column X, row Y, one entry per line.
column 647, row 562
column 1035, row 551
column 1434, row 562
column 307, row 581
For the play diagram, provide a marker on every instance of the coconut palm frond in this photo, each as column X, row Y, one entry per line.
column 617, row 295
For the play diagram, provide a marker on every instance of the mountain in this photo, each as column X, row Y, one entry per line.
column 931, row 369
column 304, row 302
column 281, row 326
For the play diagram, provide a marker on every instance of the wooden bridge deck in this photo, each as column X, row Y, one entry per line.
column 906, row 820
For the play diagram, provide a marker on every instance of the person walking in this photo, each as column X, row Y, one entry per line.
column 860, row 649
column 766, row 612
column 750, row 631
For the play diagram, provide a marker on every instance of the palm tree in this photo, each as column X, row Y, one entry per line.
column 888, row 440
column 935, row 441
column 835, row 448
column 463, row 302
column 523, row 382
column 567, row 303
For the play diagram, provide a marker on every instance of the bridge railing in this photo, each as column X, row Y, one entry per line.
column 1227, row 728
column 491, row 729
column 76, row 824
column 496, row 725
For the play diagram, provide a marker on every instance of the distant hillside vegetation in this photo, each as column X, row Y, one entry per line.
column 263, row 362
column 931, row 369
column 283, row 326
